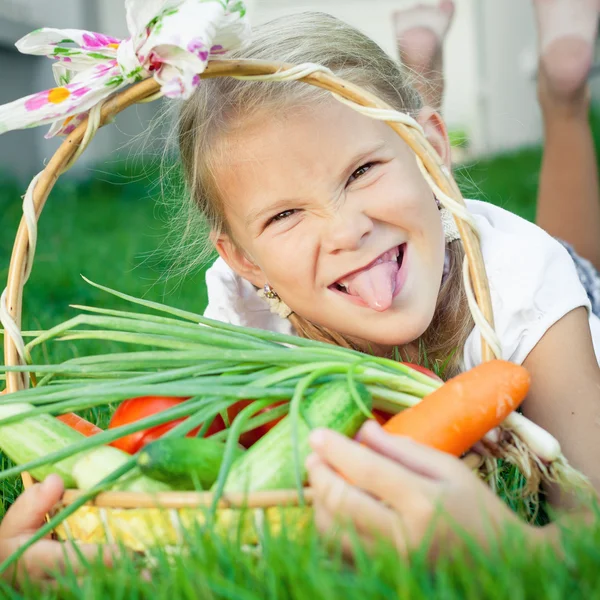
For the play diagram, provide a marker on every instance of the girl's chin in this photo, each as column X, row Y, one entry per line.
column 388, row 332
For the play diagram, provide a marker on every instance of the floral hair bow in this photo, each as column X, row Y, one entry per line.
column 170, row 40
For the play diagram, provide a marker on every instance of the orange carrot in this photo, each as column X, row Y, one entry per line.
column 463, row 410
column 79, row 424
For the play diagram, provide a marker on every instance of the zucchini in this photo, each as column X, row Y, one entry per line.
column 35, row 437
column 269, row 464
column 41, row 435
column 184, row 463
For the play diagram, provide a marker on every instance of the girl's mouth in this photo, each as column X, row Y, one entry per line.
column 377, row 284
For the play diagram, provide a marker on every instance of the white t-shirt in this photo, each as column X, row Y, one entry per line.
column 533, row 284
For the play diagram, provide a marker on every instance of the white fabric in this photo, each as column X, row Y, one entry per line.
column 533, row 284
column 170, row 40
column 234, row 300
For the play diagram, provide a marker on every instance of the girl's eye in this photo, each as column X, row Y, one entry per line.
column 282, row 215
column 360, row 172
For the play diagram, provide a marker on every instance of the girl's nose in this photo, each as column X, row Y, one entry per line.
column 346, row 231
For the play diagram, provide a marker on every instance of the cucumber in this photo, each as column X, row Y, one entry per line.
column 184, row 463
column 269, row 464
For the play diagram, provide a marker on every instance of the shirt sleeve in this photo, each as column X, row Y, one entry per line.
column 533, row 282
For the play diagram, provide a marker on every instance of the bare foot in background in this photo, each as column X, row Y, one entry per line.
column 567, row 33
column 420, row 33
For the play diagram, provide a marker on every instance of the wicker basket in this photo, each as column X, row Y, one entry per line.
column 139, row 520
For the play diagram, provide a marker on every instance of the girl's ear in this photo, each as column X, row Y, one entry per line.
column 436, row 133
column 238, row 261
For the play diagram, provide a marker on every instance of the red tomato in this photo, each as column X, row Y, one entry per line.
column 135, row 409
column 252, row 436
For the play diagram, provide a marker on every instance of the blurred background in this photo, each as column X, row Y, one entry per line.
column 490, row 54
column 106, row 218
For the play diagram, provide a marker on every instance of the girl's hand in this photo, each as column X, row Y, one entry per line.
column 23, row 518
column 400, row 490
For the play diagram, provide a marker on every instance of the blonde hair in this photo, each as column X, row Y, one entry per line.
column 219, row 103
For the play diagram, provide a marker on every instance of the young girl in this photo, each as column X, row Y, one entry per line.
column 325, row 211
column 321, row 215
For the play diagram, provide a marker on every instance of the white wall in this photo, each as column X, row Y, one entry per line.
column 488, row 94
column 374, row 18
column 45, row 13
column 111, row 17
column 507, row 42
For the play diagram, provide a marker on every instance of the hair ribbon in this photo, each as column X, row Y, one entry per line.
column 170, row 40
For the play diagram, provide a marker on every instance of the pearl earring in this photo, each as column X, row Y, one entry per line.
column 276, row 304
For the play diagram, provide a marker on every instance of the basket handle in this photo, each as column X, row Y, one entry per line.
column 433, row 167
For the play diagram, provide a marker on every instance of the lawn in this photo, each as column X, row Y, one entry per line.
column 111, row 228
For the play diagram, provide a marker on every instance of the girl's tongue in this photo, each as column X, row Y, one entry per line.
column 375, row 285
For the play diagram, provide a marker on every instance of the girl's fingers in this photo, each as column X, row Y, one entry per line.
column 364, row 467
column 29, row 510
column 417, row 458
column 324, row 521
column 47, row 557
column 332, row 495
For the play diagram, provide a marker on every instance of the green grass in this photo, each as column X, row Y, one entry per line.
column 305, row 567
column 109, row 228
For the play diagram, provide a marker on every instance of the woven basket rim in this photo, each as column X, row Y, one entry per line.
column 191, row 499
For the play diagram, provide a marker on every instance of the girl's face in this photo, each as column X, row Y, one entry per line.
column 329, row 208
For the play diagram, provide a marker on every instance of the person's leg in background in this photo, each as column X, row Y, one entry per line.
column 420, row 34
column 568, row 205
column 568, row 199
